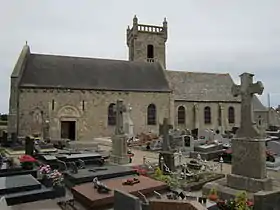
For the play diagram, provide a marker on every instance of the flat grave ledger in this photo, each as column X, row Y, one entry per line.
column 81, row 156
column 88, row 196
column 18, row 183
column 23, row 188
column 105, row 172
column 207, row 152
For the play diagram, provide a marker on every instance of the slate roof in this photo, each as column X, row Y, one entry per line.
column 53, row 71
column 197, row 86
column 257, row 104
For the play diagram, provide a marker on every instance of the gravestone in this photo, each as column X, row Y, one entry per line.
column 166, row 153
column 128, row 123
column 4, row 139
column 187, row 143
column 119, row 140
column 123, row 200
column 13, row 138
column 162, row 127
column 29, row 146
column 248, row 151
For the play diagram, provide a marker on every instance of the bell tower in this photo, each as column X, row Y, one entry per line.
column 147, row 42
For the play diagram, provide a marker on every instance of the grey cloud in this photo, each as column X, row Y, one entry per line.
column 206, row 35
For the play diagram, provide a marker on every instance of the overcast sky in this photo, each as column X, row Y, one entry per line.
column 204, row 35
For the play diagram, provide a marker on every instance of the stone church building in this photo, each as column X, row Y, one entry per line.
column 73, row 97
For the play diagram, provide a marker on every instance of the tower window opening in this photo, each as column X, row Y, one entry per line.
column 150, row 51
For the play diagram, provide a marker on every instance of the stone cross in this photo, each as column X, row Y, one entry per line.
column 119, row 108
column 128, row 123
column 246, row 90
column 165, row 133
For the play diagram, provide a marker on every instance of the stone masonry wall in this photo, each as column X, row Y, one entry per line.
column 92, row 121
column 140, row 47
column 190, row 121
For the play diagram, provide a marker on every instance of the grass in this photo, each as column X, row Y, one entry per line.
column 198, row 179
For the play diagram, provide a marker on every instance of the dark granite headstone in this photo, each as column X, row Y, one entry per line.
column 4, row 139
column 13, row 138
column 29, row 146
column 123, row 200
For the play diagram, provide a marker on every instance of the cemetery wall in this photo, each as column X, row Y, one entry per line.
column 190, row 116
column 88, row 108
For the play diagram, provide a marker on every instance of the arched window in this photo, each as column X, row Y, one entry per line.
column 150, row 51
column 181, row 115
column 111, row 114
column 151, row 114
column 231, row 115
column 207, row 115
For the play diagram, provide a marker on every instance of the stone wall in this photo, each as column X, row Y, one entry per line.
column 141, row 43
column 190, row 116
column 38, row 105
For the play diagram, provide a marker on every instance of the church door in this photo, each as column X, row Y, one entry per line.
column 68, row 130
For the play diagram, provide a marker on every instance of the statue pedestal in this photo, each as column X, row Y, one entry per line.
column 169, row 160
column 248, row 174
column 119, row 150
column 249, row 166
column 249, row 158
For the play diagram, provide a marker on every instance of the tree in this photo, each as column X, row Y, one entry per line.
column 3, row 117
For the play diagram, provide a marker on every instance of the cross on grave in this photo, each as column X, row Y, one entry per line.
column 162, row 127
column 246, row 90
column 119, row 108
column 165, row 127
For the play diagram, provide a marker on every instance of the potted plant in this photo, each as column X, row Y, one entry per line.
column 239, row 203
column 45, row 171
column 242, row 202
column 27, row 162
column 58, row 185
column 213, row 195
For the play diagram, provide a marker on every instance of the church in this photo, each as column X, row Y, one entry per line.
column 59, row 96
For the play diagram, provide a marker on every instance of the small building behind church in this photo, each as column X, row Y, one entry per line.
column 58, row 96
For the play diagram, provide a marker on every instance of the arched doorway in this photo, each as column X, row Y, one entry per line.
column 68, row 116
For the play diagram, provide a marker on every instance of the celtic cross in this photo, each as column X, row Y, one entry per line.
column 246, row 90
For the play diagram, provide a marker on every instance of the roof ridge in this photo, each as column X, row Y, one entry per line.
column 90, row 58
column 200, row 72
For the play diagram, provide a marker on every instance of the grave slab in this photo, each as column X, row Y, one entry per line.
column 91, row 199
column 106, row 172
column 18, row 183
column 82, row 156
column 30, row 196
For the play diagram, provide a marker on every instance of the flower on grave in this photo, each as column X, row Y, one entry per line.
column 241, row 201
column 27, row 158
column 141, row 171
column 56, row 177
column 45, row 169
column 213, row 195
column 250, row 203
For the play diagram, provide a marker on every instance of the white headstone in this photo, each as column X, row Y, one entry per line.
column 187, row 144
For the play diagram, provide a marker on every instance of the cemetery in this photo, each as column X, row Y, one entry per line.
column 81, row 175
